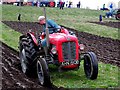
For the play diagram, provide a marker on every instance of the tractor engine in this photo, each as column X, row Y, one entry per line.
column 66, row 47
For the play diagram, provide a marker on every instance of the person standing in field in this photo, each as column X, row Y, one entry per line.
column 66, row 3
column 61, row 4
column 111, row 7
column 70, row 3
column 78, row 5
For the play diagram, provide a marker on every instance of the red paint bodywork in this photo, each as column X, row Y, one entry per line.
column 57, row 39
column 32, row 35
column 73, row 66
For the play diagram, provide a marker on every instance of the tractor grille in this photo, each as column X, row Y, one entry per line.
column 69, row 51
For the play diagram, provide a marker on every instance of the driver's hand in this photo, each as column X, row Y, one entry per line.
column 58, row 30
column 43, row 33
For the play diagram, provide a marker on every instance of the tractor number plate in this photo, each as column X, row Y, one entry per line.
column 70, row 62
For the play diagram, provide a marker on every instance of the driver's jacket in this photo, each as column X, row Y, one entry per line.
column 52, row 26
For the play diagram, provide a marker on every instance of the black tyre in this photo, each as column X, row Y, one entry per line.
column 28, row 54
column 91, row 65
column 43, row 72
column 24, row 62
column 117, row 18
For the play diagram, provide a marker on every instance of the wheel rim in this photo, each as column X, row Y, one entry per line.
column 40, row 73
column 23, row 61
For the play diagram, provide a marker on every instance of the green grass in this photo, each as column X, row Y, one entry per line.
column 9, row 36
column 73, row 18
column 107, row 78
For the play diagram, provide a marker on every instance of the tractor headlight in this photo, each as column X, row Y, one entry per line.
column 82, row 46
column 53, row 50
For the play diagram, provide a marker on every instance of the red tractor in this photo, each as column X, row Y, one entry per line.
column 64, row 51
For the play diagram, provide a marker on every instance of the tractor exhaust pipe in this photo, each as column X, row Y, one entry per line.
column 46, row 28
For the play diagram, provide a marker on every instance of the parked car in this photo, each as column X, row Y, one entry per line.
column 47, row 3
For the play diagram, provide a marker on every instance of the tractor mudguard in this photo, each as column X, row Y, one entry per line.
column 33, row 38
column 65, row 31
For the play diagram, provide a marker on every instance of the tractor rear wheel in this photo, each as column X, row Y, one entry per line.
column 91, row 65
column 43, row 72
column 28, row 54
column 24, row 64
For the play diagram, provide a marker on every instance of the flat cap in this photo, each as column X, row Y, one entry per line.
column 41, row 18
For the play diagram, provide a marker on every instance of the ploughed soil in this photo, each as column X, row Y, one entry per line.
column 110, row 24
column 106, row 49
column 12, row 77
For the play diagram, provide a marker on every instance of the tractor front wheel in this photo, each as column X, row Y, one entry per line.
column 91, row 65
column 43, row 72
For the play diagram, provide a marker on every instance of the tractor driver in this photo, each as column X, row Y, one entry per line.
column 52, row 27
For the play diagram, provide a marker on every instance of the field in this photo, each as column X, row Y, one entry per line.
column 101, row 39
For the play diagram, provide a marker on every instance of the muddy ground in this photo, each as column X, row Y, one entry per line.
column 110, row 24
column 107, row 51
column 12, row 76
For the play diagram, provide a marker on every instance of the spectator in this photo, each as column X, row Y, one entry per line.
column 111, row 7
column 103, row 8
column 70, row 3
column 38, row 4
column 78, row 5
column 66, row 3
column 110, row 13
column 61, row 4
